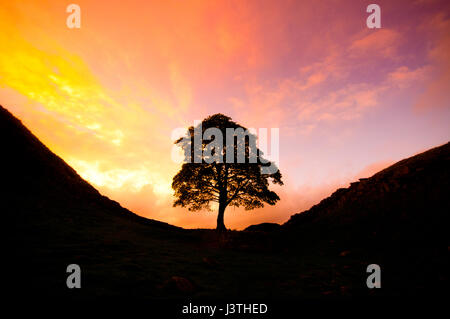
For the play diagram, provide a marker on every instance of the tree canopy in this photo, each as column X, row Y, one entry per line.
column 209, row 175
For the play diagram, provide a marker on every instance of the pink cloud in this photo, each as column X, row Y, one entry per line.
column 436, row 94
column 404, row 77
column 382, row 42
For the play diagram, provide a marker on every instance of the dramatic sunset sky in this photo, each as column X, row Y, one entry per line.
column 348, row 100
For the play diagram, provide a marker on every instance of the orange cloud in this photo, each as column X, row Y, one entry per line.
column 403, row 77
column 382, row 42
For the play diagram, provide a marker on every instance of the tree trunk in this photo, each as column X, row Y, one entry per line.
column 220, row 223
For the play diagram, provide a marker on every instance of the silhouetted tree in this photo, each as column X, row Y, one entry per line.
column 207, row 176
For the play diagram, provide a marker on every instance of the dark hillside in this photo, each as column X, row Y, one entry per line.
column 397, row 218
column 411, row 195
column 31, row 170
column 54, row 217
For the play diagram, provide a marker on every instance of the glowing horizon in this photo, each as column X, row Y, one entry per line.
column 348, row 100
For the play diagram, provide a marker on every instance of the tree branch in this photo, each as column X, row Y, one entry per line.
column 236, row 192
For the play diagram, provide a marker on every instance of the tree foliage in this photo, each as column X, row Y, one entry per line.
column 210, row 179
